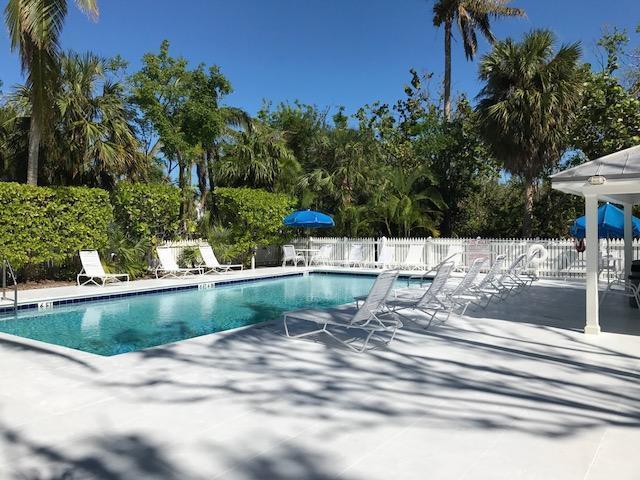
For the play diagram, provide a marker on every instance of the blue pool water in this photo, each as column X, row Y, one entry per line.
column 133, row 323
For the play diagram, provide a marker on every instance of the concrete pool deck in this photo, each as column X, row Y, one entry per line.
column 512, row 392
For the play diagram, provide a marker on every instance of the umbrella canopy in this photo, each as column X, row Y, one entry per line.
column 610, row 223
column 309, row 219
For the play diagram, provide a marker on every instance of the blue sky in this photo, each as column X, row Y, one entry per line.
column 328, row 53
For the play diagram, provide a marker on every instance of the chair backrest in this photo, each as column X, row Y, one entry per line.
column 91, row 263
column 356, row 252
column 386, row 254
column 288, row 251
column 377, row 295
column 209, row 258
column 469, row 279
column 414, row 255
column 454, row 254
column 167, row 261
column 324, row 253
column 493, row 272
column 438, row 283
column 515, row 265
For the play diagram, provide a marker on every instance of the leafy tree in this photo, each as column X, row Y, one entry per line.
column 609, row 116
column 491, row 210
column 471, row 16
column 608, row 120
column 181, row 106
column 526, row 106
column 34, row 30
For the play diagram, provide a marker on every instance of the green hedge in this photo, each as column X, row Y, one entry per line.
column 40, row 224
column 254, row 217
column 147, row 210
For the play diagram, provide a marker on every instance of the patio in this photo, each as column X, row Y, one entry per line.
column 516, row 391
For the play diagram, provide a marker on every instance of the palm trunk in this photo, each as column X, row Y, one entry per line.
column 212, row 153
column 183, row 184
column 35, row 135
column 527, row 223
column 201, row 169
column 447, row 69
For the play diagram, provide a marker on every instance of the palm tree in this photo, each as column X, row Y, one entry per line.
column 529, row 99
column 470, row 15
column 259, row 157
column 232, row 120
column 34, row 29
column 408, row 201
column 90, row 139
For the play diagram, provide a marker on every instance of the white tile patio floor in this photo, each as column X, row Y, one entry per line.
column 511, row 392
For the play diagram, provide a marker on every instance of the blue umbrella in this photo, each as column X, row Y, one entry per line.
column 309, row 219
column 610, row 223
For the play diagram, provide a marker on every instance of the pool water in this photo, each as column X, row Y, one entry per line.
column 133, row 323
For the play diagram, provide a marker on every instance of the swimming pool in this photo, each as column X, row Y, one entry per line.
column 134, row 323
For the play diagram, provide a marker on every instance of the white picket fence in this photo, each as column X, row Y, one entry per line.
column 563, row 260
column 265, row 256
column 176, row 247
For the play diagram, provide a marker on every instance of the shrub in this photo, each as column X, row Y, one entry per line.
column 40, row 224
column 124, row 255
column 253, row 218
column 147, row 210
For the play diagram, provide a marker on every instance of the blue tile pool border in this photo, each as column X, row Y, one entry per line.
column 193, row 286
column 97, row 298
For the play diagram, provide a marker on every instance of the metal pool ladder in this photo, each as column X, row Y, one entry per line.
column 8, row 270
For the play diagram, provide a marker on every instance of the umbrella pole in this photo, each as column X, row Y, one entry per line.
column 608, row 264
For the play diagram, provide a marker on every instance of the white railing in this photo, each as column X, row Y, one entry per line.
column 563, row 260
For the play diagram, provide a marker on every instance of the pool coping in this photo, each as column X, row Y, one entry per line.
column 191, row 283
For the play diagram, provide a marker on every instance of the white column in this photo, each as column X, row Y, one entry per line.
column 593, row 245
column 628, row 241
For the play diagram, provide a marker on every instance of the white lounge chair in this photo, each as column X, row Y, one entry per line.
column 368, row 318
column 211, row 264
column 355, row 257
column 537, row 254
column 489, row 287
column 510, row 279
column 93, row 270
column 385, row 258
column 464, row 292
column 455, row 254
column 428, row 275
column 430, row 300
column 289, row 255
column 322, row 256
column 413, row 260
column 169, row 267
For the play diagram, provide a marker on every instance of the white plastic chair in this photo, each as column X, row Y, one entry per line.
column 413, row 260
column 368, row 318
column 430, row 300
column 322, row 256
column 289, row 255
column 356, row 256
column 211, row 263
column 170, row 267
column 93, row 270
